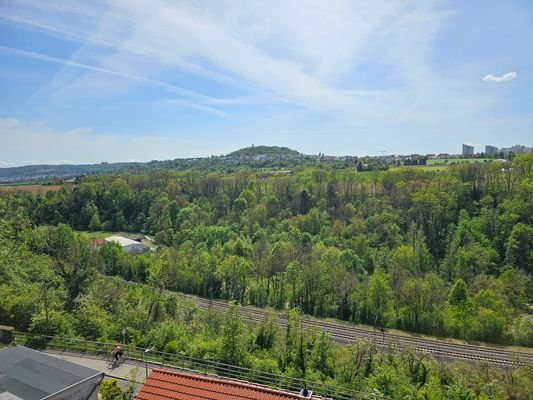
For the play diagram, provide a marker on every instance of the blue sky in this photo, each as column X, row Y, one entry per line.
column 86, row 82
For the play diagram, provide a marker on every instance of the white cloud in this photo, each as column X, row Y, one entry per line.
column 291, row 51
column 309, row 56
column 504, row 78
column 7, row 123
column 36, row 143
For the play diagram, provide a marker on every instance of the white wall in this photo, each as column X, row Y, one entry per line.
column 134, row 248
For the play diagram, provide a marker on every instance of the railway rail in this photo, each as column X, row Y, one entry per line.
column 344, row 333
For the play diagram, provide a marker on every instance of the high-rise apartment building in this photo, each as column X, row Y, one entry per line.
column 468, row 150
column 490, row 149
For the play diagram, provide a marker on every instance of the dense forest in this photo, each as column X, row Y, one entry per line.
column 442, row 253
column 447, row 254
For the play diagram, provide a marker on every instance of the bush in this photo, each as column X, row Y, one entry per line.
column 523, row 331
column 59, row 324
column 459, row 392
column 109, row 390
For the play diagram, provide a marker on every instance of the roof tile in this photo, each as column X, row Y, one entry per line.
column 171, row 385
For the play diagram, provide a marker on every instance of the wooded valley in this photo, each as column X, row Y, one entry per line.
column 447, row 254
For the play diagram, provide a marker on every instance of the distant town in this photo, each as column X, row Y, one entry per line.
column 504, row 152
column 270, row 159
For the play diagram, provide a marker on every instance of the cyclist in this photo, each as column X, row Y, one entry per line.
column 117, row 352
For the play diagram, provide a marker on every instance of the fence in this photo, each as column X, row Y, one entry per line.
column 183, row 362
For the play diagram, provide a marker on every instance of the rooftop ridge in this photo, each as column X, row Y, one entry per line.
column 226, row 386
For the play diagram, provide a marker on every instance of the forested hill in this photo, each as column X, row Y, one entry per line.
column 47, row 172
column 252, row 157
column 265, row 151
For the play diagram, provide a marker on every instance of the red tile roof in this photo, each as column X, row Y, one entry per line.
column 171, row 385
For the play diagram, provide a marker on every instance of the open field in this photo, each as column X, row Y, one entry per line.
column 33, row 189
column 441, row 161
column 104, row 234
column 430, row 168
column 441, row 164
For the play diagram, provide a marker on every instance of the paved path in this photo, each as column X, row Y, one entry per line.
column 123, row 373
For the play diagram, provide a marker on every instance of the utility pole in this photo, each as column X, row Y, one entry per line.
column 146, row 351
column 45, row 287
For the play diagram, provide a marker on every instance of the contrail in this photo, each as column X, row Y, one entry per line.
column 70, row 63
column 409, row 109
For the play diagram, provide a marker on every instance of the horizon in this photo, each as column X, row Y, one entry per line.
column 251, row 146
column 130, row 82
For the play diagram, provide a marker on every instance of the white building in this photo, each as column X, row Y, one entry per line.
column 129, row 245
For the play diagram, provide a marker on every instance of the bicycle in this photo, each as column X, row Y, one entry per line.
column 112, row 360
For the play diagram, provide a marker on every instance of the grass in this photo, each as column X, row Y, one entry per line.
column 33, row 189
column 448, row 161
column 97, row 234
column 430, row 168
column 442, row 164
column 104, row 234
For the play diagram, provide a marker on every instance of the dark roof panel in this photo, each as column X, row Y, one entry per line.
column 32, row 375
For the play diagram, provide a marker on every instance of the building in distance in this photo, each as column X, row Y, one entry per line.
column 129, row 245
column 489, row 149
column 516, row 149
column 468, row 150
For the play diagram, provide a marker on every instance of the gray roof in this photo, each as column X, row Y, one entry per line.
column 32, row 375
column 121, row 240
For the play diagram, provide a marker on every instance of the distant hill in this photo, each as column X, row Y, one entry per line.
column 255, row 151
column 34, row 173
column 256, row 157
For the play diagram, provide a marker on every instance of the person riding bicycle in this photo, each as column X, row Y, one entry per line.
column 117, row 352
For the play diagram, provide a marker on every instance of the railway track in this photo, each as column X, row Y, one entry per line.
column 345, row 333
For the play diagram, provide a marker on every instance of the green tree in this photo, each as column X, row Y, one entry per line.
column 94, row 224
column 458, row 293
column 87, row 214
column 234, row 273
column 519, row 249
column 322, row 354
column 54, row 323
column 428, row 209
column 296, row 340
column 90, row 320
column 417, row 299
column 72, row 259
column 233, row 350
column 523, row 331
column 266, row 333
column 379, row 294
column 112, row 256
column 305, row 202
column 240, row 205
